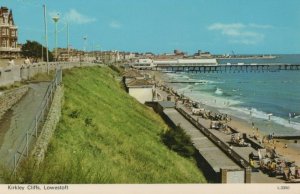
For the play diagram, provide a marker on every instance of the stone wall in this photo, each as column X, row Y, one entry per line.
column 11, row 97
column 40, row 149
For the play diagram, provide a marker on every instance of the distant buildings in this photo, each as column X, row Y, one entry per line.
column 8, row 35
column 74, row 55
column 202, row 54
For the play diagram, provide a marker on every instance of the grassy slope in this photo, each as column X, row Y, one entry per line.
column 122, row 145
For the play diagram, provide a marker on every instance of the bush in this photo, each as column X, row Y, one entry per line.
column 178, row 141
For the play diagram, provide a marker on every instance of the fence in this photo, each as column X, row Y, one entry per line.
column 32, row 133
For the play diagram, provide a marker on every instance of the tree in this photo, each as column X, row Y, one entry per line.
column 33, row 49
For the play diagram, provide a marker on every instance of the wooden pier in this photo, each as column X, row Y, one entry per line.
column 230, row 68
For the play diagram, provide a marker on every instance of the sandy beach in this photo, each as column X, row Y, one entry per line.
column 291, row 152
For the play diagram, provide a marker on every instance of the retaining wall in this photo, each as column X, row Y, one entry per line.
column 40, row 149
column 11, row 97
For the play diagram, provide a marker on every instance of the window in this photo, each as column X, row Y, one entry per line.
column 3, row 44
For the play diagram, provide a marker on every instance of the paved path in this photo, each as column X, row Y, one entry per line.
column 206, row 148
column 15, row 122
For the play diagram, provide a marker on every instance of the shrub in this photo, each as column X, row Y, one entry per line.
column 178, row 141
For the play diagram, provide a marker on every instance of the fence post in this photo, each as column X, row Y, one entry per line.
column 51, row 91
column 15, row 164
column 26, row 143
column 56, row 78
column 36, row 126
column 61, row 76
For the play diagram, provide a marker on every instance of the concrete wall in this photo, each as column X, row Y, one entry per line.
column 10, row 75
column 141, row 94
column 232, row 176
column 10, row 97
column 40, row 149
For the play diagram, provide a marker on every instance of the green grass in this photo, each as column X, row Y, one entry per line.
column 106, row 136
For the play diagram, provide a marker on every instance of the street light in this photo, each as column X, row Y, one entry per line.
column 84, row 46
column 55, row 19
column 46, row 38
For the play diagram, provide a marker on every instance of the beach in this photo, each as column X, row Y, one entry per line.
column 287, row 149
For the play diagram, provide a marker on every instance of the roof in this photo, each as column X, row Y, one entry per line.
column 132, row 73
column 205, row 61
column 139, row 83
column 186, row 61
column 166, row 104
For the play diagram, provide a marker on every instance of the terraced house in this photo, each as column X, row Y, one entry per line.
column 8, row 35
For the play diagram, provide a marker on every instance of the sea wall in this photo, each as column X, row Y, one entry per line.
column 40, row 148
column 11, row 97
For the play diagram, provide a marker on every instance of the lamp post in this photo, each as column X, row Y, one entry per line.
column 46, row 38
column 55, row 19
column 84, row 46
column 68, row 41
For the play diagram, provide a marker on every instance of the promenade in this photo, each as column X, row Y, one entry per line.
column 213, row 155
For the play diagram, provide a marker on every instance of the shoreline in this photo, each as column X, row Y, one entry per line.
column 292, row 152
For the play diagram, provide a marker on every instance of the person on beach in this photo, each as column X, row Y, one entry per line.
column 11, row 63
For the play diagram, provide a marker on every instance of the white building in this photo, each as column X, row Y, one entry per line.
column 149, row 63
column 182, row 62
column 141, row 89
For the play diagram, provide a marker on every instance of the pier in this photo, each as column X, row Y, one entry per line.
column 227, row 68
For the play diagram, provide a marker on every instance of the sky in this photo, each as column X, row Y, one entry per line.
column 160, row 26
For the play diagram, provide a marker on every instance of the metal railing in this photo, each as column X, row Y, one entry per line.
column 32, row 133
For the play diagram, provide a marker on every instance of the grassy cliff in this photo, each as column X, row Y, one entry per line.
column 106, row 136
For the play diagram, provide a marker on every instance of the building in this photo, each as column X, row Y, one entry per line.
column 151, row 64
column 141, row 89
column 202, row 54
column 138, row 86
column 8, row 35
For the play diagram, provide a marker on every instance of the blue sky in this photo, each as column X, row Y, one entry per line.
column 218, row 26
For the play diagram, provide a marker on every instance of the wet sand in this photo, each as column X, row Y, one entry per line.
column 291, row 153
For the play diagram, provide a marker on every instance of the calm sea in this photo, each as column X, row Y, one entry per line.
column 251, row 96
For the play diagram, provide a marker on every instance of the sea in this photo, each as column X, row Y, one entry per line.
column 270, row 100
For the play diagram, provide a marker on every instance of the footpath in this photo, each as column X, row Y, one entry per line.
column 16, row 121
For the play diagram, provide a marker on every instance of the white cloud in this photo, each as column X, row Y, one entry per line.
column 53, row 13
column 260, row 26
column 241, row 33
column 72, row 16
column 115, row 24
